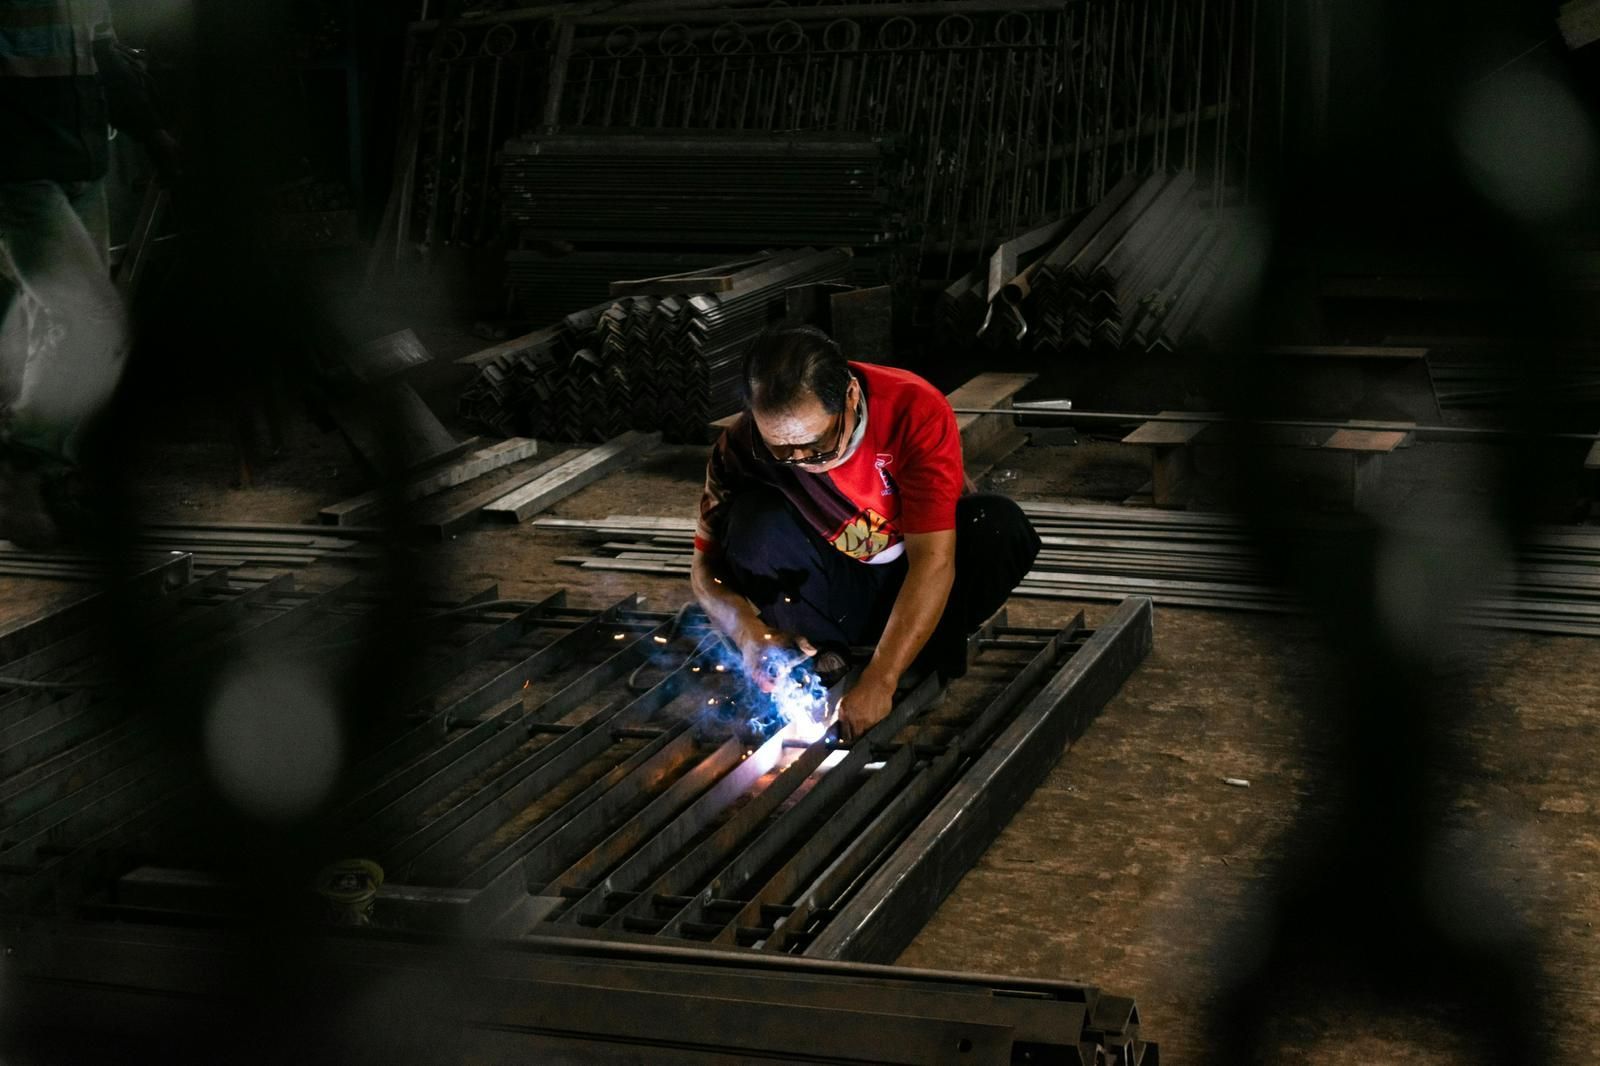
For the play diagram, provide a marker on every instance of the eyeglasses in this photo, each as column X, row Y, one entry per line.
column 815, row 458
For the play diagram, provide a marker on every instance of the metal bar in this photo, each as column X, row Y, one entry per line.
column 779, row 836
column 896, row 900
column 464, row 150
column 562, row 482
column 640, row 830
column 449, row 767
column 34, row 631
column 672, row 838
column 864, row 845
column 531, row 778
column 584, row 818
column 714, row 851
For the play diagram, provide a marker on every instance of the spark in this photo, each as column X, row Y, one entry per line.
column 694, row 669
column 721, row 669
column 618, row 636
column 527, row 683
column 660, row 640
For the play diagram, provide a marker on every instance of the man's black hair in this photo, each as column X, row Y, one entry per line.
column 781, row 366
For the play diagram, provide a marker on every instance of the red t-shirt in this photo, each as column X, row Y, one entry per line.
column 904, row 476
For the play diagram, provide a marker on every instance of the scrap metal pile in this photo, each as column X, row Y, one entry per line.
column 646, row 362
column 1095, row 552
column 1152, row 267
column 535, row 769
column 736, row 190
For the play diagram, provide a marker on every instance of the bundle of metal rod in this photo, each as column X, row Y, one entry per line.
column 1499, row 379
column 667, row 362
column 211, row 546
column 554, row 1000
column 546, row 769
column 1147, row 269
column 1012, row 115
column 1178, row 559
column 734, row 190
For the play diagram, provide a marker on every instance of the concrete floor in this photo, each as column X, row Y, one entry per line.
column 1135, row 866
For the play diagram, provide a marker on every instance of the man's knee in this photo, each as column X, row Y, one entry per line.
column 991, row 526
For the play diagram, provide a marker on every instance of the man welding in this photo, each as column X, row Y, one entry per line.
column 837, row 514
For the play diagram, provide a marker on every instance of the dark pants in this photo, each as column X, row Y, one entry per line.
column 803, row 585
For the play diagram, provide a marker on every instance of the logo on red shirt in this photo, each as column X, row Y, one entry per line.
column 881, row 465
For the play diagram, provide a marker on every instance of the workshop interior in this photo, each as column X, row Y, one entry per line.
column 822, row 531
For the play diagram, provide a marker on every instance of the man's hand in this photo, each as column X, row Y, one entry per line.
column 865, row 705
column 769, row 655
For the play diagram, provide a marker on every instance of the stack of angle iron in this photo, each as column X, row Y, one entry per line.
column 646, row 362
column 698, row 188
column 545, row 287
column 1103, row 553
column 1149, row 268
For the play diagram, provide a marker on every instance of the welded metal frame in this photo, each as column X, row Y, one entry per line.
column 680, row 874
column 586, row 809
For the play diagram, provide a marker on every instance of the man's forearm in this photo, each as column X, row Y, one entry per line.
column 916, row 613
column 732, row 614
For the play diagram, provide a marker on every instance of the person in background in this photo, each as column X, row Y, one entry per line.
column 64, row 82
column 836, row 514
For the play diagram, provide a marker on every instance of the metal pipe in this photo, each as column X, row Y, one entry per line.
column 1458, row 434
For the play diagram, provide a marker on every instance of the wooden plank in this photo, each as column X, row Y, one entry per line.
column 457, row 517
column 1363, row 440
column 1592, row 460
column 1345, row 351
column 368, row 506
column 1167, row 434
column 568, row 478
column 986, row 390
column 986, row 439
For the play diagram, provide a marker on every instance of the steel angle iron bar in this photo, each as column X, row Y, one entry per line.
column 553, row 1000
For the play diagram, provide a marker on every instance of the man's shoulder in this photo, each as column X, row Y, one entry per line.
column 900, row 385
